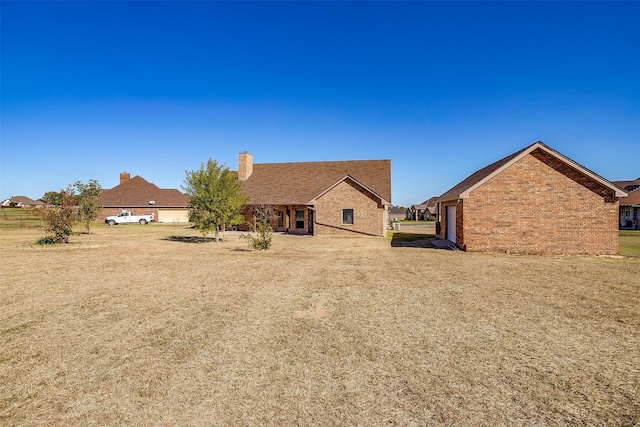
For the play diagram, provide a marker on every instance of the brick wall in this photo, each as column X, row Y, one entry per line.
column 369, row 215
column 538, row 206
column 289, row 218
column 459, row 222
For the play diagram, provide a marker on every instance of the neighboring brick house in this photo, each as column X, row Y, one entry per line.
column 630, row 210
column 425, row 211
column 628, row 186
column 416, row 212
column 535, row 201
column 144, row 198
column 319, row 198
column 431, row 211
column 22, row 202
column 396, row 213
column 630, row 206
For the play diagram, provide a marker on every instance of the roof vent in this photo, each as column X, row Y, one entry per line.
column 152, row 202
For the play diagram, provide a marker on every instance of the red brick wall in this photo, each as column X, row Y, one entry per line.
column 289, row 218
column 459, row 222
column 369, row 216
column 534, row 207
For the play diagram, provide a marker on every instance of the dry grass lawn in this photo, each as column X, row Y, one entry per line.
column 125, row 327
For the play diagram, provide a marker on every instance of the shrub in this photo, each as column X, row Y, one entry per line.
column 261, row 240
column 45, row 240
column 59, row 221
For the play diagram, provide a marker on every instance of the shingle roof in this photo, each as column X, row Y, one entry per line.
column 394, row 210
column 431, row 205
column 431, row 202
column 301, row 182
column 624, row 184
column 463, row 188
column 25, row 201
column 633, row 199
column 138, row 192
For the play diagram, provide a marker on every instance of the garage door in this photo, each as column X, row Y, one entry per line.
column 173, row 215
column 451, row 223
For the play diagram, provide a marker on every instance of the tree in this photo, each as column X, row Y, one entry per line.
column 215, row 198
column 59, row 221
column 51, row 198
column 88, row 205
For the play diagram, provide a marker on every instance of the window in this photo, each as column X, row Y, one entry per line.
column 347, row 216
column 299, row 218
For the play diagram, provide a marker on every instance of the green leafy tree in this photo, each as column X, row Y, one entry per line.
column 51, row 198
column 215, row 198
column 88, row 205
column 59, row 221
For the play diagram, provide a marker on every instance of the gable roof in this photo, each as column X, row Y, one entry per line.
column 353, row 181
column 23, row 200
column 300, row 183
column 625, row 184
column 431, row 205
column 138, row 192
column 463, row 189
column 633, row 199
column 394, row 210
column 428, row 205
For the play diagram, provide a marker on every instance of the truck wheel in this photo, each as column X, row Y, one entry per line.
column 143, row 221
column 111, row 222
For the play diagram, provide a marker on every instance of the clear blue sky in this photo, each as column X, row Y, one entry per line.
column 91, row 89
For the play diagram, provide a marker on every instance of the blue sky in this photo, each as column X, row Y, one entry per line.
column 92, row 89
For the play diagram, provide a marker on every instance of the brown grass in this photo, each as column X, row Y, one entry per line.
column 127, row 326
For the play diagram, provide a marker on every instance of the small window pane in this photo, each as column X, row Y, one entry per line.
column 347, row 216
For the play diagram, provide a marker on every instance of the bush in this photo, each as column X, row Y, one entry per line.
column 59, row 221
column 261, row 240
column 45, row 240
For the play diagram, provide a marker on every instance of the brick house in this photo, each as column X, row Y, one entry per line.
column 416, row 212
column 630, row 205
column 319, row 198
column 144, row 198
column 21, row 202
column 535, row 201
column 628, row 186
column 396, row 213
column 425, row 211
column 630, row 210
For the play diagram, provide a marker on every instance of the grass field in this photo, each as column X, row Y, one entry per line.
column 629, row 243
column 132, row 325
column 18, row 217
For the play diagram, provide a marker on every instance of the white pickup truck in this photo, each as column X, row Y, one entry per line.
column 126, row 217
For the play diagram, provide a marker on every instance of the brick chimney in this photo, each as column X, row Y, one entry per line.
column 245, row 166
column 124, row 177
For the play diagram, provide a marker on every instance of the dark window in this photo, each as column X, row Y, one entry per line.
column 347, row 216
column 299, row 218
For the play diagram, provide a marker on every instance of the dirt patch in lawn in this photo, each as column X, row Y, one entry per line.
column 127, row 326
